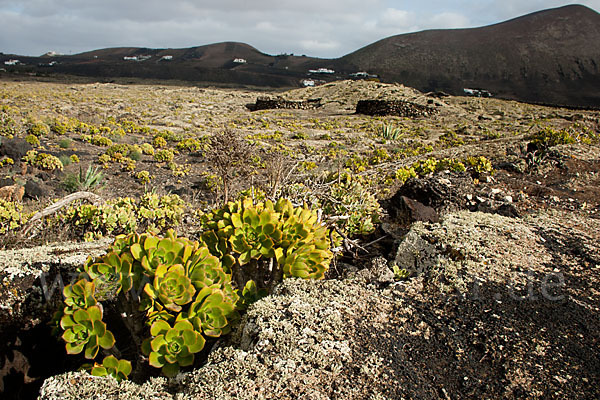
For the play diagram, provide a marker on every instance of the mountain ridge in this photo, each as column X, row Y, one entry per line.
column 550, row 56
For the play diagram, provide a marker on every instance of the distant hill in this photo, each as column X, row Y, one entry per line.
column 550, row 57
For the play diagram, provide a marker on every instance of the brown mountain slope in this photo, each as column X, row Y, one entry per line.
column 551, row 56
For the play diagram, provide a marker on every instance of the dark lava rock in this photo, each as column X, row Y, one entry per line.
column 14, row 148
column 34, row 190
column 393, row 107
column 405, row 211
column 267, row 103
column 447, row 192
column 6, row 182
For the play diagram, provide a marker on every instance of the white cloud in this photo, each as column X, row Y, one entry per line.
column 320, row 28
column 447, row 20
column 399, row 19
column 318, row 45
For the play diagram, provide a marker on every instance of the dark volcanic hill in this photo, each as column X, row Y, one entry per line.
column 551, row 56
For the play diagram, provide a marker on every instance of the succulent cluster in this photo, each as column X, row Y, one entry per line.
column 43, row 161
column 264, row 242
column 171, row 293
column 124, row 215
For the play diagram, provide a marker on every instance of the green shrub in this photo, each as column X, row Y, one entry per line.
column 124, row 215
column 65, row 160
column 59, row 127
column 147, row 149
column 135, row 155
column 38, row 129
column 159, row 142
column 144, row 177
column 32, row 140
column 11, row 217
column 191, row 144
column 43, row 161
column 164, row 155
column 479, row 164
column 8, row 126
column 115, row 151
column 64, row 143
column 355, row 204
column 97, row 140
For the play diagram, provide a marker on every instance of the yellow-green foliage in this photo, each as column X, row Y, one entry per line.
column 38, row 129
column 432, row 165
column 125, row 215
column 122, row 149
column 164, row 155
column 479, row 164
column 97, row 140
column 43, row 161
column 8, row 126
column 159, row 142
column 144, row 177
column 351, row 199
column 548, row 136
column 178, row 170
column 404, row 174
column 191, row 144
column 248, row 237
column 6, row 161
column 147, row 149
column 74, row 158
column 59, row 127
column 32, row 140
column 11, row 216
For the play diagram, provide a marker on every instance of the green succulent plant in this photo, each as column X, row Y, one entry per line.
column 172, row 286
column 79, row 295
column 252, row 237
column 173, row 347
column 84, row 329
column 111, row 366
column 212, row 312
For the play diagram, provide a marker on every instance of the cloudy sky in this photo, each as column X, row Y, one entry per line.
column 323, row 28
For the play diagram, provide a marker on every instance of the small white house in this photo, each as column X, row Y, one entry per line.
column 240, row 61
column 321, row 71
column 12, row 62
column 127, row 58
column 308, row 83
column 166, row 58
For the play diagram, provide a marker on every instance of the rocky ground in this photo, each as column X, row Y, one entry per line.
column 502, row 300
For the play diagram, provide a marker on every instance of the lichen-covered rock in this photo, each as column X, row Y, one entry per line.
column 466, row 247
column 81, row 385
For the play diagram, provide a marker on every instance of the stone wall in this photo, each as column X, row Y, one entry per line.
column 398, row 108
column 268, row 103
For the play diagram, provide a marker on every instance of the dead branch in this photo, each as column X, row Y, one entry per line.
column 91, row 197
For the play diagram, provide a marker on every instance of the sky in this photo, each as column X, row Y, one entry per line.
column 319, row 28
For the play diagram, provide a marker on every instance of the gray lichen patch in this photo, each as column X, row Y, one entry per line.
column 81, row 385
column 20, row 269
column 467, row 247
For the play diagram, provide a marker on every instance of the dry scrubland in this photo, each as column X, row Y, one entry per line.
column 418, row 303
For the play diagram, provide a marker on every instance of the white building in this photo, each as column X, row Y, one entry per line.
column 166, row 58
column 321, row 71
column 240, row 61
column 308, row 83
column 12, row 62
column 126, row 58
